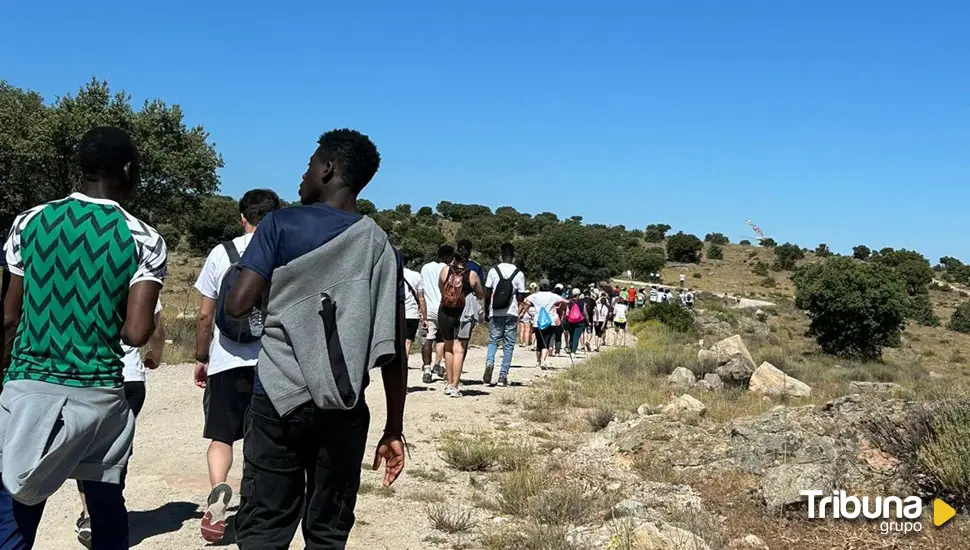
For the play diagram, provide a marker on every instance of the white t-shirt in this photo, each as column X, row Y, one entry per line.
column 412, row 309
column 134, row 370
column 600, row 313
column 619, row 313
column 547, row 301
column 518, row 287
column 224, row 354
column 430, row 277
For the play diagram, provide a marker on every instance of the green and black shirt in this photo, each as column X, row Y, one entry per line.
column 78, row 257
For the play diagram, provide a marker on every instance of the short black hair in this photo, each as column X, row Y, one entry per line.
column 465, row 244
column 508, row 250
column 353, row 154
column 406, row 257
column 256, row 203
column 446, row 253
column 103, row 153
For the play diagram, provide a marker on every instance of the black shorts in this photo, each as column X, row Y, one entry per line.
column 411, row 329
column 619, row 326
column 227, row 396
column 135, row 395
column 449, row 322
column 600, row 328
column 545, row 338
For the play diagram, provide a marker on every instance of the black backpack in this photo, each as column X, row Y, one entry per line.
column 248, row 329
column 504, row 290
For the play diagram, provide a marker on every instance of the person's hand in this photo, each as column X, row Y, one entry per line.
column 150, row 363
column 424, row 323
column 390, row 450
column 201, row 374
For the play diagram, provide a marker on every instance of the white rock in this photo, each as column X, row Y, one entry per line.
column 664, row 535
column 681, row 377
column 748, row 542
column 769, row 380
column 684, row 407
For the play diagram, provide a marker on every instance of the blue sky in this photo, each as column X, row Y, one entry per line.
column 843, row 122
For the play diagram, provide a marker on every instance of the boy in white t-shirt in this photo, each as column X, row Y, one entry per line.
column 415, row 306
column 431, row 294
column 224, row 368
column 503, row 318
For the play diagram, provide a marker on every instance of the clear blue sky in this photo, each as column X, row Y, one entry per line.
column 843, row 122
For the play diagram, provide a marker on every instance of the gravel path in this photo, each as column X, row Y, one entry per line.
column 167, row 479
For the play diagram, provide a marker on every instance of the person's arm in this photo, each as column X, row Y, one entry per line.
column 391, row 447
column 256, row 268
column 203, row 339
column 12, row 303
column 157, row 344
column 489, row 283
column 476, row 283
column 443, row 278
column 524, row 308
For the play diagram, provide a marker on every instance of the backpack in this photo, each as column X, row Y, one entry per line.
column 575, row 315
column 248, row 329
column 502, row 297
column 453, row 293
column 543, row 320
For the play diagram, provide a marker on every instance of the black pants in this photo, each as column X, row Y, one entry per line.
column 304, row 465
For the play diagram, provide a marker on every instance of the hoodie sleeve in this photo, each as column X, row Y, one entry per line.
column 387, row 290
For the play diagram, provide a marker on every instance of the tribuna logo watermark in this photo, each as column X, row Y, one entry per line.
column 898, row 515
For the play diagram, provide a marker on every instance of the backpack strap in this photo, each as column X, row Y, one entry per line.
column 411, row 288
column 231, row 252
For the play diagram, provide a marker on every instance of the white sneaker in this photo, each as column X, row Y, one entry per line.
column 448, row 390
column 455, row 392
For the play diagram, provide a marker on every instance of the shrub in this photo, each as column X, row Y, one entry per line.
column 768, row 243
column 786, row 256
column 715, row 252
column 769, row 282
column 480, row 453
column 760, row 269
column 861, row 252
column 921, row 311
column 960, row 320
column 744, row 242
column 670, row 314
column 656, row 232
column 450, row 519
column 697, row 275
column 823, row 251
column 856, row 308
column 600, row 418
column 912, row 266
column 717, row 238
column 684, row 248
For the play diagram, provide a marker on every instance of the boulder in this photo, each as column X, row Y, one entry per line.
column 874, row 387
column 781, row 486
column 769, row 380
column 664, row 535
column 629, row 508
column 685, row 407
column 711, row 382
column 747, row 542
column 761, row 315
column 647, row 409
column 681, row 377
column 733, row 361
column 736, row 372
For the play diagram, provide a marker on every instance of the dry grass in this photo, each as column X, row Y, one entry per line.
column 480, row 452
column 531, row 537
column 436, row 475
column 426, row 495
column 451, row 519
column 371, row 488
column 600, row 418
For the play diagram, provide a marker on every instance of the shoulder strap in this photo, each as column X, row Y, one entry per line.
column 514, row 273
column 411, row 288
column 231, row 252
column 498, row 272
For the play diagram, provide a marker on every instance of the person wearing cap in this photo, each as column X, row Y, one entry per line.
column 548, row 302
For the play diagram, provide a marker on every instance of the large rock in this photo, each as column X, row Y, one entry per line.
column 747, row 542
column 733, row 361
column 711, row 382
column 685, row 407
column 681, row 377
column 666, row 536
column 629, row 508
column 769, row 380
column 781, row 486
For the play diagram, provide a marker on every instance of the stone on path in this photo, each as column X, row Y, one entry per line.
column 769, row 380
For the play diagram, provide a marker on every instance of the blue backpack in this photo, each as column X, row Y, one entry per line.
column 543, row 321
column 248, row 329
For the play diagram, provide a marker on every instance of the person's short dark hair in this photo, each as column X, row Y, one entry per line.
column 256, row 203
column 104, row 151
column 465, row 244
column 406, row 257
column 353, row 154
column 462, row 254
column 446, row 253
column 508, row 250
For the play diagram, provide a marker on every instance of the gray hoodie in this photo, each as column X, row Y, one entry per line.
column 330, row 318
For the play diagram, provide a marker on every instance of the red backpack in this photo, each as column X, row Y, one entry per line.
column 453, row 292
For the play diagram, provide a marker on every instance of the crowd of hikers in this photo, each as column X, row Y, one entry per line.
column 294, row 315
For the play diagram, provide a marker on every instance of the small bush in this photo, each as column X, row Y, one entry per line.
column 921, row 311
column 823, row 251
column 434, row 474
column 761, row 269
column 715, row 252
column 958, row 358
column 600, row 418
column 451, row 519
column 697, row 275
column 744, row 242
column 563, row 505
column 769, row 282
column 787, row 255
column 670, row 314
column 960, row 320
column 480, row 453
column 532, row 537
column 717, row 238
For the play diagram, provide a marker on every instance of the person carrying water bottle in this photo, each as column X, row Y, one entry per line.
column 545, row 321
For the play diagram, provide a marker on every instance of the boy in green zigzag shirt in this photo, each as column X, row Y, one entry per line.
column 84, row 278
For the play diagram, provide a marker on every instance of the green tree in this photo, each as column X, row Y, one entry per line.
column 768, row 243
column 38, row 145
column 861, row 252
column 717, row 238
column 366, row 207
column 642, row 261
column 921, row 311
column 217, row 222
column 823, row 251
column 911, row 265
column 960, row 320
column 422, row 241
column 715, row 252
column 656, row 232
column 571, row 254
column 403, row 209
column 684, row 248
column 744, row 242
column 856, row 308
column 786, row 256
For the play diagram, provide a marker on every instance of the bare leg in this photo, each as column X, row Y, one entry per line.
column 407, row 347
column 459, row 353
column 219, row 458
column 426, row 351
column 439, row 352
column 449, row 353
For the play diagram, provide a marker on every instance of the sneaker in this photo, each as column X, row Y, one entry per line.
column 426, row 377
column 503, row 382
column 487, row 377
column 83, row 530
column 214, row 520
column 455, row 392
column 437, row 373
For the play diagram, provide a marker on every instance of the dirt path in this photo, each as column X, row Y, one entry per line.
column 167, row 480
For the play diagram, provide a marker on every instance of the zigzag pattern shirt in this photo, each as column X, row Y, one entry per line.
column 78, row 257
